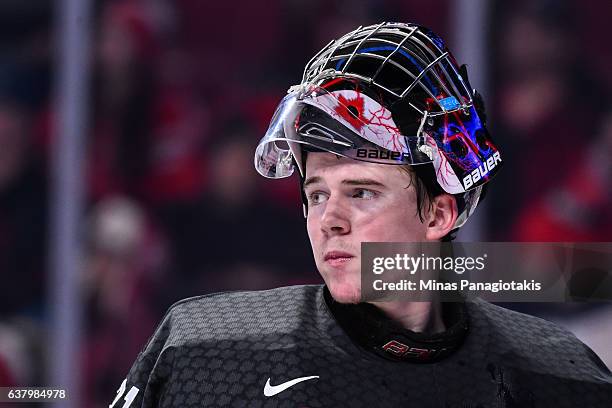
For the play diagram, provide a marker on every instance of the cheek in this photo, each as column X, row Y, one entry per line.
column 396, row 224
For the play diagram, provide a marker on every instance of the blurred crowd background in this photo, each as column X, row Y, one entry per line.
column 181, row 92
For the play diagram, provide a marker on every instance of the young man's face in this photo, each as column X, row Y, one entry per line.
column 350, row 202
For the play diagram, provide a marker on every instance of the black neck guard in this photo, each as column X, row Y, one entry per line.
column 371, row 329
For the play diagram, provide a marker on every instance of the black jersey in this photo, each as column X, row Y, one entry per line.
column 284, row 348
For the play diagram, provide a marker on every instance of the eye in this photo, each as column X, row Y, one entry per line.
column 316, row 197
column 364, row 194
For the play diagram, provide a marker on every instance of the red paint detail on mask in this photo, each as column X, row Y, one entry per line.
column 344, row 110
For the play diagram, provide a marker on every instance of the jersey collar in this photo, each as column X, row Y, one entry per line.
column 372, row 330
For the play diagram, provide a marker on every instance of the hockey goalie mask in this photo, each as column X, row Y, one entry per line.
column 390, row 94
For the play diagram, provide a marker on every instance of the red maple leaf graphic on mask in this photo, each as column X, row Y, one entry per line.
column 351, row 110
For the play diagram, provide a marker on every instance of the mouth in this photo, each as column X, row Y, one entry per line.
column 337, row 258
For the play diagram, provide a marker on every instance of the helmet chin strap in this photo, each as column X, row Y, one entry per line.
column 300, row 163
column 304, row 199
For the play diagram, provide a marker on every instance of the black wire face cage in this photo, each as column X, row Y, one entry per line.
column 407, row 62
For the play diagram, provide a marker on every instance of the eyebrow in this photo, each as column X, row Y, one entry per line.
column 349, row 182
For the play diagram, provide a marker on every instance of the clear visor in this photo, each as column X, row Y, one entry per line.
column 344, row 122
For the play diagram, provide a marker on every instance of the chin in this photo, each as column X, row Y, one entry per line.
column 344, row 293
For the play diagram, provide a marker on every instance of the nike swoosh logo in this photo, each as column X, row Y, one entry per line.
column 271, row 390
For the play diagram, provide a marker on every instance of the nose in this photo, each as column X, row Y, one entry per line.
column 335, row 219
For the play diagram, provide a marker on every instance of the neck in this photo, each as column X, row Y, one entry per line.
column 425, row 317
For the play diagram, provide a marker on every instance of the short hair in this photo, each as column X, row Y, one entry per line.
column 423, row 179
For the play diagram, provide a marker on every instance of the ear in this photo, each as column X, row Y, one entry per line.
column 442, row 217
